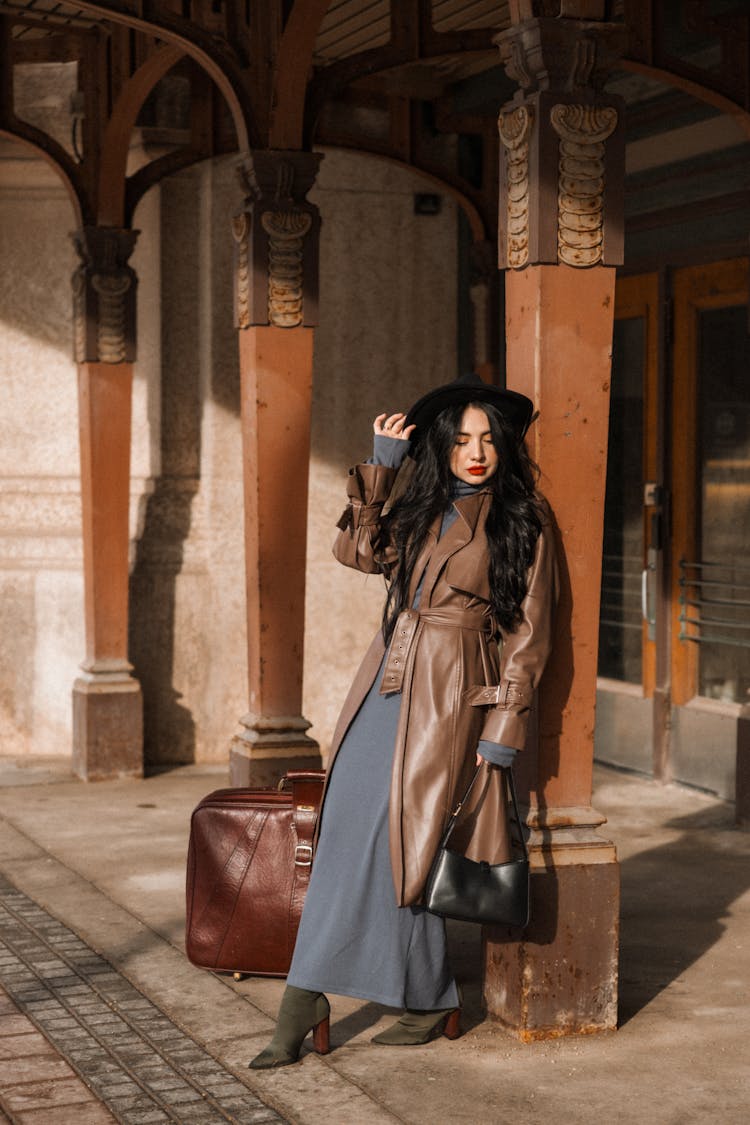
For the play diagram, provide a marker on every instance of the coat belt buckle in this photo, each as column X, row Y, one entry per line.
column 303, row 849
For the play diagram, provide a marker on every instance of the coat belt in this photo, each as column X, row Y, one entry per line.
column 405, row 632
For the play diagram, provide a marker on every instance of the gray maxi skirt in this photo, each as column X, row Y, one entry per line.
column 354, row 940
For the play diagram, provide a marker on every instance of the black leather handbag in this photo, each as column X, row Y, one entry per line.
column 493, row 894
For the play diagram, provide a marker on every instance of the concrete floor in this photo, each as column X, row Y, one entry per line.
column 107, row 860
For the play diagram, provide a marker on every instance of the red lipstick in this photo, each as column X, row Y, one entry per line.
column 478, row 471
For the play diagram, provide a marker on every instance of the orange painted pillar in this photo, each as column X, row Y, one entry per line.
column 276, row 238
column 107, row 704
column 559, row 344
column 561, row 234
column 561, row 977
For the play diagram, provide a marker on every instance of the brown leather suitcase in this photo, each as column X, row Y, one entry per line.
column 248, row 869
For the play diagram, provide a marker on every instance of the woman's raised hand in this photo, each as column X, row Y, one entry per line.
column 392, row 426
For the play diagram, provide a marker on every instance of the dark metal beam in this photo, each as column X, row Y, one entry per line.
column 211, row 50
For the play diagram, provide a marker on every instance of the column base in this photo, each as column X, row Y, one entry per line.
column 264, row 751
column 107, row 726
column 559, row 976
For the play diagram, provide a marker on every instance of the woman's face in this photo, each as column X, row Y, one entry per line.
column 474, row 457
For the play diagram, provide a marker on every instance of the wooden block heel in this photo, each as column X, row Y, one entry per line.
column 452, row 1026
column 321, row 1037
column 416, row 1028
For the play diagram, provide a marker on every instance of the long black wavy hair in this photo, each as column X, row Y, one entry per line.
column 513, row 522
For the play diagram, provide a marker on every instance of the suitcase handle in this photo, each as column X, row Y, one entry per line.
column 300, row 775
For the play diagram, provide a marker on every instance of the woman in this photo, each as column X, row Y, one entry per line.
column 469, row 559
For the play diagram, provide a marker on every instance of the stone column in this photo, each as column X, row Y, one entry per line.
column 561, row 235
column 107, row 705
column 276, row 238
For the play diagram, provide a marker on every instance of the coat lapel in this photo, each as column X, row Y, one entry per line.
column 424, row 557
column 458, row 535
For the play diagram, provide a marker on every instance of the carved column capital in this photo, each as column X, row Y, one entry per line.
column 562, row 146
column 104, row 296
column 276, row 237
column 561, row 54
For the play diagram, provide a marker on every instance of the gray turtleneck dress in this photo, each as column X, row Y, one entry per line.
column 353, row 939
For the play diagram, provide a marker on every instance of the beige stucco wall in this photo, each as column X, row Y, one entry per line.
column 41, row 627
column 387, row 332
column 41, row 568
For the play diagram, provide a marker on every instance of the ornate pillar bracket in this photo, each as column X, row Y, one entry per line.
column 276, row 241
column 562, row 138
column 104, row 296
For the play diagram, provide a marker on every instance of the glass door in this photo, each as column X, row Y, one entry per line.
column 630, row 562
column 711, row 483
column 675, row 598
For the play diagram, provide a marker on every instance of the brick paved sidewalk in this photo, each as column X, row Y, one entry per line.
column 109, row 862
column 79, row 1043
column 37, row 1085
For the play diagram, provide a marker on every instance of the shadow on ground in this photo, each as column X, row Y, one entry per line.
column 675, row 899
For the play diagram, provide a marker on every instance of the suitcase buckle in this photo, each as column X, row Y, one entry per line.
column 305, row 849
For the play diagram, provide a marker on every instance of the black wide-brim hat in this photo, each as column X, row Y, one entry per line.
column 516, row 408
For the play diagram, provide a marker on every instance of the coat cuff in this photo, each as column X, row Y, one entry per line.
column 370, row 484
column 507, row 715
column 508, row 728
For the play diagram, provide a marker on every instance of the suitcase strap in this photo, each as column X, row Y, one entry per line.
column 306, row 793
column 305, row 800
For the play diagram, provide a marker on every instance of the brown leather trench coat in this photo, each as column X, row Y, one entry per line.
column 458, row 684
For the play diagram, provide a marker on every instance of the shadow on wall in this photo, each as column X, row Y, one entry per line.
column 168, row 726
column 159, row 642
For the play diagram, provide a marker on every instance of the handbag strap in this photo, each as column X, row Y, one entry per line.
column 508, row 773
column 511, row 783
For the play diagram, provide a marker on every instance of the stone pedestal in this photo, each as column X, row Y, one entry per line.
column 267, row 748
column 559, row 977
column 107, row 725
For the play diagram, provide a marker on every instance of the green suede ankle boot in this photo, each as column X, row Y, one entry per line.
column 301, row 1011
column 414, row 1028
